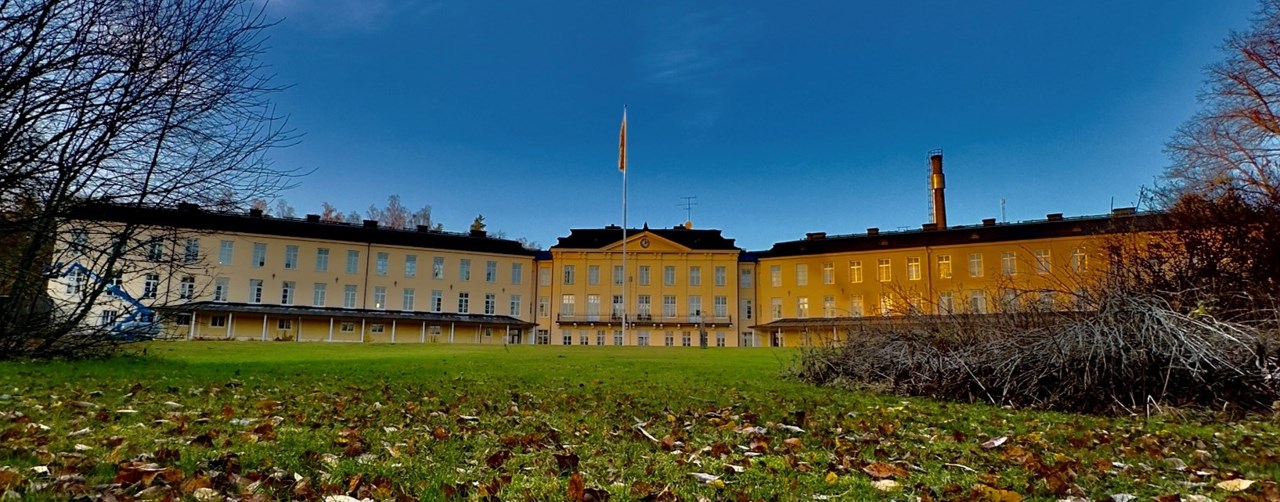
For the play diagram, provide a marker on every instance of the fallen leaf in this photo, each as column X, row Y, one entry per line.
column 995, row 494
column 886, row 485
column 1235, row 485
column 832, row 478
column 704, row 477
column 881, row 470
column 995, row 443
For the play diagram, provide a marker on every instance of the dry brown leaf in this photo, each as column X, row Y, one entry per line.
column 881, row 470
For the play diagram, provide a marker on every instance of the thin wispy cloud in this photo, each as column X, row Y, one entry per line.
column 696, row 53
column 349, row 15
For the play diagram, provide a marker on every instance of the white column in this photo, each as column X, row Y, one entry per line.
column 422, row 338
column 264, row 327
column 330, row 329
column 393, row 331
column 362, row 330
column 231, row 325
column 191, row 332
column 451, row 332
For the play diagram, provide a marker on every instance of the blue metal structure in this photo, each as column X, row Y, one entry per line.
column 138, row 314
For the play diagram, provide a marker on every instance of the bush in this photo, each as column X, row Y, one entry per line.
column 1131, row 353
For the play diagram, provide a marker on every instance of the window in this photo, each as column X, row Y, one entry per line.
column 182, row 320
column 79, row 240
column 686, row 339
column 975, row 265
column 218, row 321
column 542, row 337
column 155, row 249
column 944, row 266
column 191, row 251
column 744, row 278
column 255, row 290
column 802, row 274
column 347, row 327
column 883, row 271
column 322, row 260
column 1079, row 261
column 376, row 327
column 720, row 306
column 349, row 296
column 411, row 265
column 593, row 274
column 828, row 273
column 408, row 299
column 600, row 337
column 437, row 301
column 886, row 305
column 464, row 269
column 644, row 307
column 802, row 307
column 107, row 317
column 568, row 275
column 668, row 306
column 1008, row 300
column 284, row 324
column 490, row 304
column 490, row 272
column 379, row 297
column 617, row 275
column 1008, row 263
column 73, row 281
column 1046, row 301
column 695, row 276
column 515, row 306
column 1043, row 265
column 828, row 306
column 380, row 263
column 151, row 285
column 946, row 303
column 584, row 337
column 695, row 306
column 259, row 254
column 517, row 273
column 855, row 271
column 437, row 267
column 544, row 276
column 913, row 268
column 617, row 306
column 719, row 339
column 669, row 276
column 566, row 304
column 978, row 301
column 187, row 288
column 353, row 261
column 775, row 308
column 642, row 338
column 464, row 303
column 566, row 337
column 544, row 306
column 225, row 250
column 775, row 276
column 593, row 306
column 855, row 306
column 290, row 257
column 669, row 339
column 286, row 293
column 617, row 337
column 220, row 289
column 644, row 275
column 318, row 294
column 436, row 331
column 720, row 276
column 746, row 309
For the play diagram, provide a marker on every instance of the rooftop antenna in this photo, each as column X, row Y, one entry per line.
column 689, row 202
column 1002, row 218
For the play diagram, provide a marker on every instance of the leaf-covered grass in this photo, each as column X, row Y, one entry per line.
column 303, row 421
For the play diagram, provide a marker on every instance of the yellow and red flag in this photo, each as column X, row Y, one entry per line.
column 622, row 143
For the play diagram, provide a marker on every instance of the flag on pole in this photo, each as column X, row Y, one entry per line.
column 622, row 143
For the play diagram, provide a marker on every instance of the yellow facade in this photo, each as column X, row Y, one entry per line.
column 669, row 293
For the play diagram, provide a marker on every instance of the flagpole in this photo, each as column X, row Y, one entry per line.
column 622, row 163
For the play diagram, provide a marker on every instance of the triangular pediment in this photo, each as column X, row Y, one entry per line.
column 647, row 242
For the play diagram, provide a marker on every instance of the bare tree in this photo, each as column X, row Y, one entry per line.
column 284, row 210
column 128, row 102
column 330, row 213
column 422, row 217
column 394, row 215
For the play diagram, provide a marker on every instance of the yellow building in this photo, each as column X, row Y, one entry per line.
column 677, row 286
column 249, row 276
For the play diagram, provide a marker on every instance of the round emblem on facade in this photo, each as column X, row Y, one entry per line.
column 644, row 242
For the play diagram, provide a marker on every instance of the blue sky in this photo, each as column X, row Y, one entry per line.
column 781, row 118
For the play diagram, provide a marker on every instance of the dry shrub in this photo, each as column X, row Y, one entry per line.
column 1129, row 354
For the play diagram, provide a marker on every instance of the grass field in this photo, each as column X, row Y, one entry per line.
column 303, row 421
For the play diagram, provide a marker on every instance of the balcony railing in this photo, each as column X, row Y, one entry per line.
column 643, row 319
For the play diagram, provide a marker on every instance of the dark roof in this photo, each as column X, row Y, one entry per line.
column 1121, row 221
column 301, row 310
column 596, row 238
column 192, row 218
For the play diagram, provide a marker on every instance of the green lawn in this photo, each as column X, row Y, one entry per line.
column 293, row 421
